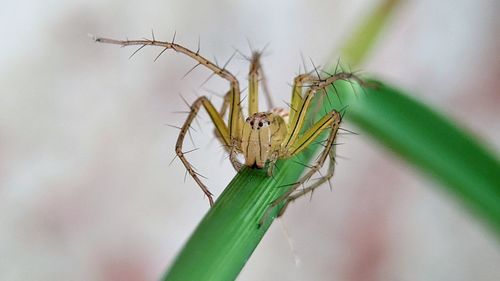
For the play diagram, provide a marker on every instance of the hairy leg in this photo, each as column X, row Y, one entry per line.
column 332, row 122
column 235, row 117
column 221, row 128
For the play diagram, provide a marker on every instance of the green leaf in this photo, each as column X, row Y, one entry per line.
column 434, row 144
column 228, row 234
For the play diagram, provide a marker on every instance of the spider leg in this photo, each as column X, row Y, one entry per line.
column 330, row 121
column 300, row 105
column 233, row 152
column 272, row 163
column 312, row 187
column 229, row 134
column 298, row 83
column 256, row 75
column 222, row 131
column 222, row 112
column 225, row 104
column 232, row 148
column 235, row 118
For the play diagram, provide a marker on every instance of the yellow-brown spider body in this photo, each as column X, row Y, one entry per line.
column 261, row 138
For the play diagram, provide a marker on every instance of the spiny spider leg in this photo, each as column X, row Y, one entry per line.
column 302, row 105
column 265, row 88
column 253, row 85
column 293, row 143
column 298, row 84
column 235, row 117
column 256, row 76
column 231, row 149
column 312, row 187
column 228, row 133
column 222, row 131
column 225, row 104
column 331, row 121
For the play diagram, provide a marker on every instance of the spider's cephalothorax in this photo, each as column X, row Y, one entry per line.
column 263, row 137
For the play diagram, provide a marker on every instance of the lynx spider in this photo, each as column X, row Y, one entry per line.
column 263, row 137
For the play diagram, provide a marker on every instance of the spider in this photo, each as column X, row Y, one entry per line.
column 262, row 137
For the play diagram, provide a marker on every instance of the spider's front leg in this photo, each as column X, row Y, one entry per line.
column 235, row 117
column 228, row 133
column 331, row 122
column 299, row 82
column 295, row 141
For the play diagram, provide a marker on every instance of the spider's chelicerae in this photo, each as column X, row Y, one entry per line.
column 262, row 137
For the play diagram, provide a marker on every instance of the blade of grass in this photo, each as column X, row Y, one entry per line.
column 433, row 144
column 228, row 234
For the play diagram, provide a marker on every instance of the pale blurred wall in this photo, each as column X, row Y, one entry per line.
column 86, row 190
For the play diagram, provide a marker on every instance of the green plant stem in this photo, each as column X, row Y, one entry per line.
column 229, row 233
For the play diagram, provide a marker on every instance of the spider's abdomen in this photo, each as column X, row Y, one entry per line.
column 262, row 135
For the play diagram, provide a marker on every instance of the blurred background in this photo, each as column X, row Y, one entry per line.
column 86, row 189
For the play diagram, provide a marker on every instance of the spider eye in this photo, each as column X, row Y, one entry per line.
column 260, row 124
column 251, row 123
